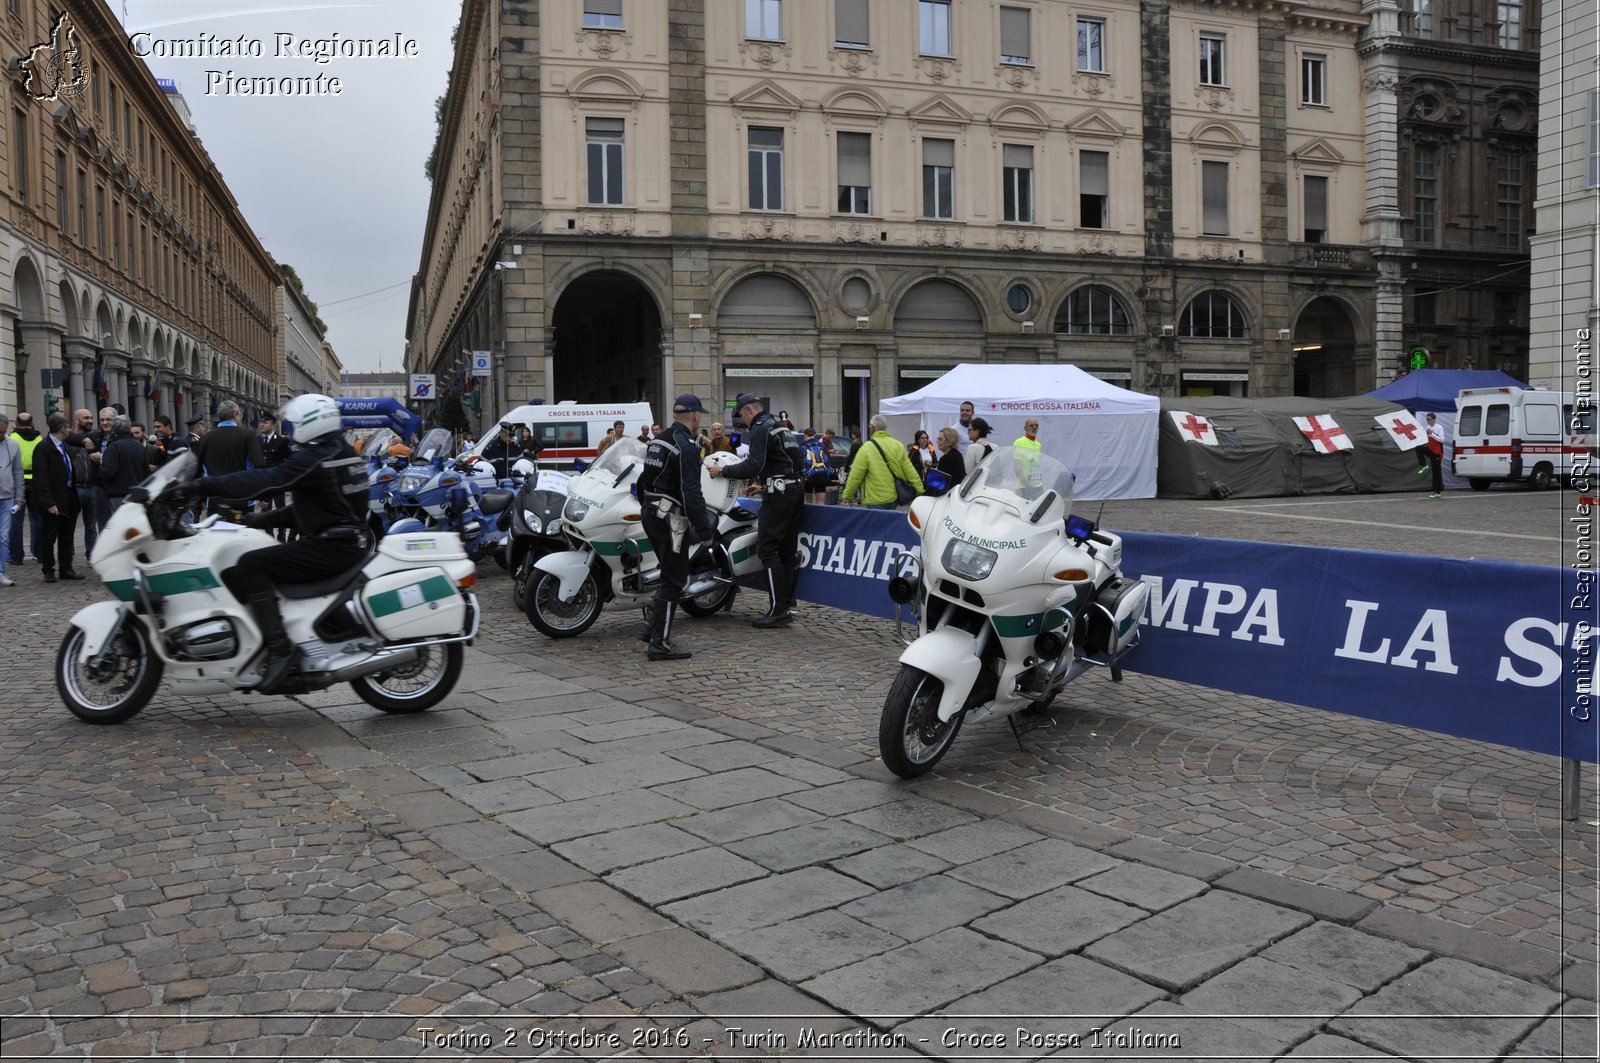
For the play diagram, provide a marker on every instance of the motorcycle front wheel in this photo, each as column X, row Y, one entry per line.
column 558, row 619
column 116, row 690
column 413, row 687
column 911, row 737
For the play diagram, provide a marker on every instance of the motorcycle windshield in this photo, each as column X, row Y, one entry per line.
column 377, row 448
column 616, row 459
column 1022, row 478
column 435, row 446
column 180, row 468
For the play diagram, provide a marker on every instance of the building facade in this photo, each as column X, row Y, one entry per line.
column 1452, row 90
column 125, row 266
column 302, row 353
column 826, row 203
column 1566, row 246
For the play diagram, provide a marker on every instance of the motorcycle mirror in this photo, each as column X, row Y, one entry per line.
column 579, row 466
column 1080, row 528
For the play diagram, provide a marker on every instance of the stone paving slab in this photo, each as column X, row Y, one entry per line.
column 747, row 821
column 575, row 819
column 1272, row 997
column 1171, row 1031
column 1569, row 1033
column 1332, row 1049
column 1188, row 943
column 803, row 948
column 948, row 966
column 904, row 820
column 924, row 907
column 1060, row 921
column 1467, row 998
column 685, row 875
column 739, row 786
column 610, row 851
column 1149, row 888
column 613, row 776
column 729, row 912
column 1349, row 956
column 890, row 865
column 809, row 843
column 974, row 841
column 1034, row 868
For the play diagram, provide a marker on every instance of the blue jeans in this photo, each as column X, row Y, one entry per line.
column 15, row 543
column 5, row 531
column 91, row 504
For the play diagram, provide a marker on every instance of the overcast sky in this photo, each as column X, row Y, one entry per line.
column 332, row 185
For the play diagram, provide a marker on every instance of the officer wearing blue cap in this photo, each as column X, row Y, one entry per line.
column 776, row 457
column 675, row 517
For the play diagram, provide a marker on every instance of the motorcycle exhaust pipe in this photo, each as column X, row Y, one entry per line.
column 378, row 662
column 704, row 585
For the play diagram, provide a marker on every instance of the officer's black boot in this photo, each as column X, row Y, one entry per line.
column 777, row 614
column 661, row 649
column 648, row 632
column 281, row 653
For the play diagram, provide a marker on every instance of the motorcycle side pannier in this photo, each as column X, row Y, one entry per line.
column 1115, row 617
column 414, row 604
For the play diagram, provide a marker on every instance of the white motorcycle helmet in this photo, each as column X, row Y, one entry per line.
column 313, row 416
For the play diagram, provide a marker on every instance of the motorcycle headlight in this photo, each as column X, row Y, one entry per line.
column 968, row 561
column 554, row 527
column 575, row 510
column 535, row 525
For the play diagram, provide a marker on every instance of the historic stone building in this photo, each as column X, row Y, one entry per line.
column 1566, row 247
column 305, row 360
column 1452, row 89
column 827, row 202
column 124, row 261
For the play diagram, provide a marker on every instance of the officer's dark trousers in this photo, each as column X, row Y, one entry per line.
column 674, row 563
column 305, row 560
column 778, row 531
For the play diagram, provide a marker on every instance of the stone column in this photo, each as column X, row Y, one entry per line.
column 8, row 368
column 78, row 356
column 140, row 405
column 116, row 370
column 42, row 343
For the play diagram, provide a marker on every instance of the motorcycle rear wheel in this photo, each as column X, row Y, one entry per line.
column 413, row 687
column 558, row 619
column 117, row 691
column 911, row 737
column 709, row 603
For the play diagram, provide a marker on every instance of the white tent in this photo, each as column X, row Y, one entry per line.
column 1105, row 434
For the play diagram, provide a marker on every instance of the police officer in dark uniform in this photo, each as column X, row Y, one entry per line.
column 775, row 460
column 675, row 516
column 327, row 487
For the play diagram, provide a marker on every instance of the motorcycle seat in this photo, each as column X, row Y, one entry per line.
column 331, row 585
column 496, row 500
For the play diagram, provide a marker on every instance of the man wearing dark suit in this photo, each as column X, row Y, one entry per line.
column 57, row 498
column 228, row 448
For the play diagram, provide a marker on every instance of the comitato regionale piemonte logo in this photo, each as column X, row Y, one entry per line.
column 55, row 67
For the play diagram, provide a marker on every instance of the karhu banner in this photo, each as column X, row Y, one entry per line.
column 1403, row 428
column 1194, row 429
column 1324, row 432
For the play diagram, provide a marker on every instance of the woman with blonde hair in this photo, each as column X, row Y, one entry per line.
column 951, row 463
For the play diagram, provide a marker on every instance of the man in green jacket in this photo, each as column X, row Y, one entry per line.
column 881, row 460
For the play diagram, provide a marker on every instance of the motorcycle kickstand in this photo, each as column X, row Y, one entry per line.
column 1016, row 733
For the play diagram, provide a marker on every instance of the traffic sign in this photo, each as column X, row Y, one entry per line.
column 422, row 385
column 481, row 363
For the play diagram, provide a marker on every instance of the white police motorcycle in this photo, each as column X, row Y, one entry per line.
column 392, row 627
column 1017, row 599
column 613, row 564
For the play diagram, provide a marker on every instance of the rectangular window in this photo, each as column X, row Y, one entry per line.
column 1314, row 80
column 127, row 120
column 1017, row 175
column 83, row 207
column 127, row 263
column 1591, row 143
column 19, row 133
column 1316, row 210
column 1508, row 201
column 1213, row 59
column 763, row 19
column 113, row 108
column 1094, row 190
column 1506, row 312
column 1016, row 36
column 934, row 27
column 855, row 173
column 144, row 254
column 99, row 96
column 1425, row 308
column 116, row 236
column 766, row 169
column 1510, row 23
column 850, row 28
column 61, row 192
column 1498, row 423
column 938, row 178
column 1422, row 18
column 1092, row 45
column 100, row 219
column 141, row 142
column 1214, row 194
column 1425, row 194
column 602, row 14
column 605, row 160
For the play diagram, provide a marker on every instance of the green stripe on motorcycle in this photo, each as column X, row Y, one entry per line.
column 1016, row 627
column 168, row 583
column 615, row 549
column 432, row 589
column 742, row 555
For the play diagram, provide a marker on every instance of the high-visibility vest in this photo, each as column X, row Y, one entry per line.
column 26, row 447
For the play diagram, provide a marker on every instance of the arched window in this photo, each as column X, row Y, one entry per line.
column 1213, row 314
column 1094, row 310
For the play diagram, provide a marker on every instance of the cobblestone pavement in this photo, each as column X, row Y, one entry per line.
column 671, row 851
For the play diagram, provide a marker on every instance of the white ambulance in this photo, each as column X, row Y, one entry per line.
column 571, row 431
column 1521, row 435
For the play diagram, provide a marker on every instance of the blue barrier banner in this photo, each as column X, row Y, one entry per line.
column 1487, row 650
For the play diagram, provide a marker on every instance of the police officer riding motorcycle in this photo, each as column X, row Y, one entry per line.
column 675, row 517
column 327, row 489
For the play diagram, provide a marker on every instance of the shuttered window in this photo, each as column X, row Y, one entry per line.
column 602, row 14
column 1094, row 190
column 1214, row 194
column 850, row 24
column 938, row 178
column 1316, row 210
column 1014, row 35
column 855, row 173
column 1017, row 175
column 766, row 168
column 605, row 160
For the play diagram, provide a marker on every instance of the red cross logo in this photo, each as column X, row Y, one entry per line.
column 1196, row 427
column 1326, row 438
column 1405, row 428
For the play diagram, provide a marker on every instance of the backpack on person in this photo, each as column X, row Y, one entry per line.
column 816, row 470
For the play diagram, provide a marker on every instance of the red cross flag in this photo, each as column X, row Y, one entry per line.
column 1193, row 429
column 1403, row 428
column 1324, row 432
